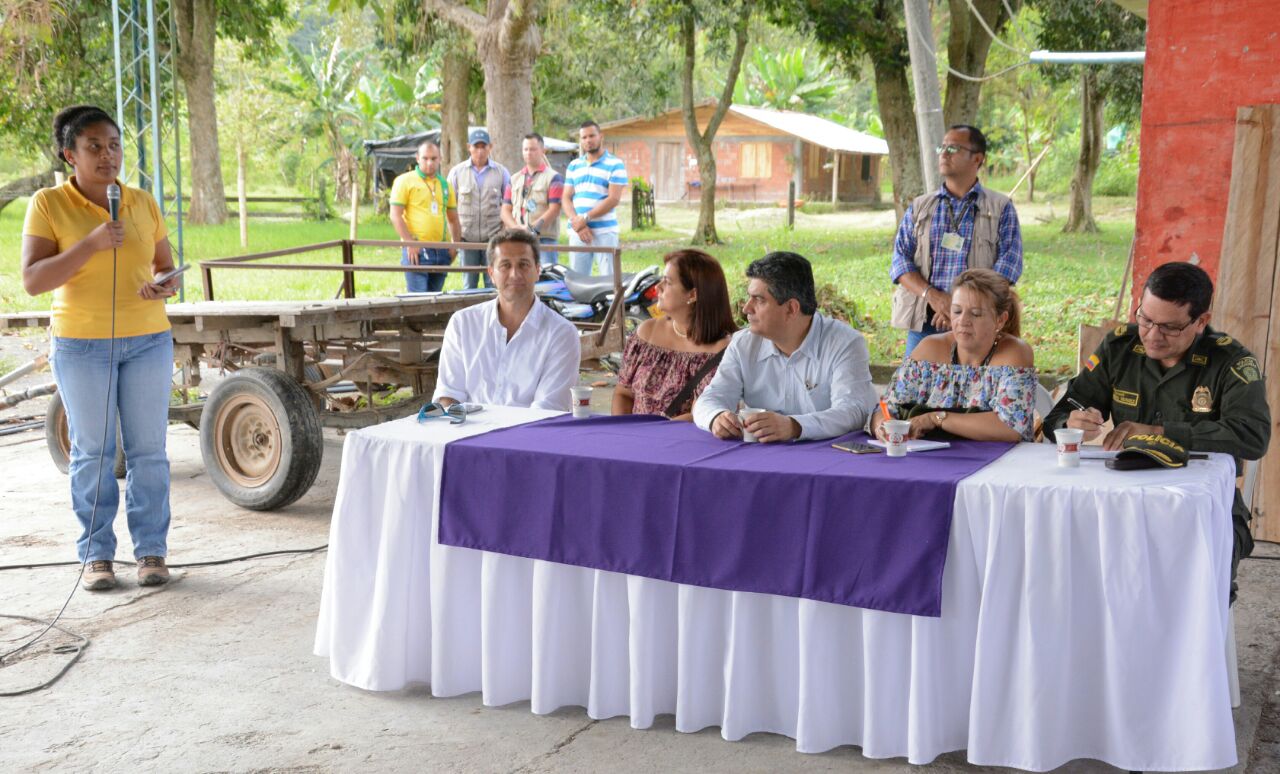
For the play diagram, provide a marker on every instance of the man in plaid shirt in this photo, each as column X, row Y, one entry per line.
column 960, row 226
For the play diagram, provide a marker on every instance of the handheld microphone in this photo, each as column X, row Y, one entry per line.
column 113, row 201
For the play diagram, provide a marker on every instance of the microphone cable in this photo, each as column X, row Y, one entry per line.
column 97, row 490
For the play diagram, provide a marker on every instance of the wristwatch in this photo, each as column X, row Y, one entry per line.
column 939, row 417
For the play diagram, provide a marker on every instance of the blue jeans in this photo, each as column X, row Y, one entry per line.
column 582, row 262
column 475, row 258
column 141, row 370
column 914, row 337
column 422, row 282
column 548, row 256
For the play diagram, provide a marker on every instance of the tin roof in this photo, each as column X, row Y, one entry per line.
column 812, row 129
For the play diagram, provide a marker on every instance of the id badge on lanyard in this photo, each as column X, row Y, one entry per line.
column 952, row 240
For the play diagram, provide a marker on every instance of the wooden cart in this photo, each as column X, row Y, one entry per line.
column 295, row 367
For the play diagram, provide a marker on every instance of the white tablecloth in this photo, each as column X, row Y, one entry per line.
column 1084, row 615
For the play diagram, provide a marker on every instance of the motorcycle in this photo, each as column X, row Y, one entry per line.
column 585, row 298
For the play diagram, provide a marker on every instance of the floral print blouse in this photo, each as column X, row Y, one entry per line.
column 1009, row 391
column 656, row 375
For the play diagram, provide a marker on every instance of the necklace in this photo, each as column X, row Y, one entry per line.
column 676, row 328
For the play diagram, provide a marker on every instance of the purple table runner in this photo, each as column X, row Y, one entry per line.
column 645, row 496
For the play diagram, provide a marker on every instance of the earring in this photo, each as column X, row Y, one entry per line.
column 690, row 301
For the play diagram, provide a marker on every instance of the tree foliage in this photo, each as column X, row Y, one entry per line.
column 52, row 54
column 797, row 79
column 1088, row 25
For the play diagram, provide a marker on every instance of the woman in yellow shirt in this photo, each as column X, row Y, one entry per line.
column 111, row 349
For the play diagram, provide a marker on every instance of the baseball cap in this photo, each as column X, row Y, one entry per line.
column 478, row 135
column 1152, row 451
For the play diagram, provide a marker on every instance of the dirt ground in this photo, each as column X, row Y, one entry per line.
column 215, row 673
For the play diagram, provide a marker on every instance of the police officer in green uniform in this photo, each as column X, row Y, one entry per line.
column 1171, row 374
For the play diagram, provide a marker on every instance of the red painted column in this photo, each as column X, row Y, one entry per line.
column 1205, row 58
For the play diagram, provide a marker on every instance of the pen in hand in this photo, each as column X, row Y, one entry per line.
column 1076, row 403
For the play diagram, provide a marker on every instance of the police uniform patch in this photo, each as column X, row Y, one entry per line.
column 1202, row 400
column 1246, row 370
column 1120, row 329
column 1224, row 341
column 1138, row 349
column 1199, row 360
column 1091, row 363
column 1124, row 397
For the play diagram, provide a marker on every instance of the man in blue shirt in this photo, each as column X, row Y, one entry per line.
column 592, row 188
column 960, row 226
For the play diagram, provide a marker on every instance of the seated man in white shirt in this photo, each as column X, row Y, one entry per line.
column 514, row 350
column 810, row 373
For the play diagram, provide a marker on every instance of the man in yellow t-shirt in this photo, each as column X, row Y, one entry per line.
column 421, row 204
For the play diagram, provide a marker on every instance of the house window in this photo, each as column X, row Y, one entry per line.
column 756, row 160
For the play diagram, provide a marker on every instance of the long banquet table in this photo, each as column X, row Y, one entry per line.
column 1083, row 615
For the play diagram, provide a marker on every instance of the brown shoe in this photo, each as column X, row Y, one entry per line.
column 151, row 571
column 98, row 576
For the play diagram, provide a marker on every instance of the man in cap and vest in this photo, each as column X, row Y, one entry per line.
column 424, row 208
column 479, row 182
column 1170, row 374
column 960, row 226
column 532, row 200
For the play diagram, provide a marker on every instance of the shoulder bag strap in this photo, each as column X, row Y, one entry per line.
column 687, row 391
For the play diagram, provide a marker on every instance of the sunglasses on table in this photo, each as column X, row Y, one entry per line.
column 454, row 412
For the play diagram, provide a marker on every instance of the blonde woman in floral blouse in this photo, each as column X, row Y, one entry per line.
column 669, row 361
column 975, row 381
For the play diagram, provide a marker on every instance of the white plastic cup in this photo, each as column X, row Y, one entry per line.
column 896, row 432
column 581, row 401
column 749, row 437
column 1069, row 439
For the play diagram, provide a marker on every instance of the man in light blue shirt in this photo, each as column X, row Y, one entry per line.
column 593, row 185
column 810, row 373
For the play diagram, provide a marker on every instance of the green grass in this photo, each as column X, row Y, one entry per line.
column 1068, row 278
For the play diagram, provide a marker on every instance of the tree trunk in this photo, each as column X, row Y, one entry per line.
column 1080, row 217
column 508, row 86
column 897, row 116
column 701, row 140
column 25, row 186
column 456, row 88
column 967, row 47
column 197, row 21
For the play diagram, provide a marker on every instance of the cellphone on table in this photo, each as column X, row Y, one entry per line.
column 857, row 447
column 168, row 275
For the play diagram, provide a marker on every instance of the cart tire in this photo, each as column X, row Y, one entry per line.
column 57, row 436
column 260, row 439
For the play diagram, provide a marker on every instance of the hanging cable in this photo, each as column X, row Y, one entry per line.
column 965, row 76
column 994, row 38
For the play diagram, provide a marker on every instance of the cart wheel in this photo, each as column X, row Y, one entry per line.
column 57, row 436
column 260, row 438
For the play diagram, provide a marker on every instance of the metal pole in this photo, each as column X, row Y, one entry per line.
column 115, row 29
column 791, row 204
column 924, row 76
column 177, row 146
column 1088, row 57
column 139, row 118
column 157, row 154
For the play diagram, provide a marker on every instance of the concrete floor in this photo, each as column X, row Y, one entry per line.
column 214, row 672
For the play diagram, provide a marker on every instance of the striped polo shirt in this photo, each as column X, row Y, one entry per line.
column 591, row 181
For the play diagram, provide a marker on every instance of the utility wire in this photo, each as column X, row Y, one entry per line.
column 965, row 76
column 994, row 38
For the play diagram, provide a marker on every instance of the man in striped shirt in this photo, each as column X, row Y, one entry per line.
column 592, row 188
